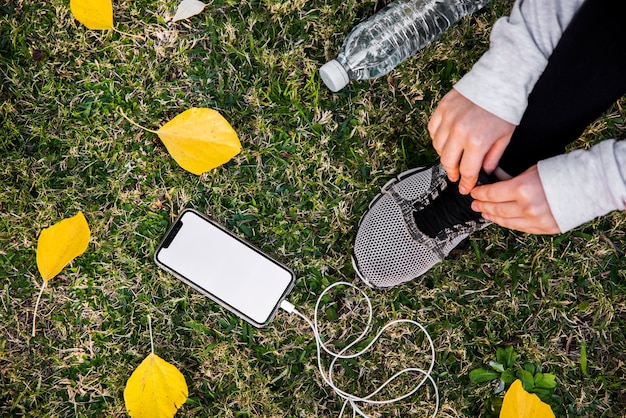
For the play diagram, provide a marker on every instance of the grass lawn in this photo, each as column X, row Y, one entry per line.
column 311, row 162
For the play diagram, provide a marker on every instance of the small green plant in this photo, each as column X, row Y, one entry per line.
column 505, row 370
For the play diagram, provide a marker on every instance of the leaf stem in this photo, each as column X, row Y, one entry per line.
column 43, row 286
column 151, row 339
column 132, row 122
column 130, row 35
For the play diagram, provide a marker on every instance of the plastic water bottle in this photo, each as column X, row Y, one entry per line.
column 378, row 45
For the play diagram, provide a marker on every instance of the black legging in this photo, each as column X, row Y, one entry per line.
column 585, row 74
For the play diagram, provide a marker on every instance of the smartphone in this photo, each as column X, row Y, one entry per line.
column 224, row 267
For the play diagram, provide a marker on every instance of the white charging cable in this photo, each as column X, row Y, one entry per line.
column 349, row 398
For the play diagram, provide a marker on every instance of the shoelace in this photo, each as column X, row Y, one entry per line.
column 449, row 210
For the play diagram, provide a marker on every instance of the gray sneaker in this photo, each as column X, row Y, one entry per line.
column 413, row 224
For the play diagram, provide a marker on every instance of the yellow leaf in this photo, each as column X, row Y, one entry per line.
column 520, row 404
column 57, row 246
column 200, row 139
column 60, row 244
column 94, row 14
column 156, row 389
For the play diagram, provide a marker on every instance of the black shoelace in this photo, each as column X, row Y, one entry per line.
column 448, row 210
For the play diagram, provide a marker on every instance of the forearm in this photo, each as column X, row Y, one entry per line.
column 520, row 46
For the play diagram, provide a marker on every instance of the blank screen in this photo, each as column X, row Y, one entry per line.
column 234, row 273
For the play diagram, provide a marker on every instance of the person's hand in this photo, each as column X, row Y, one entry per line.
column 467, row 137
column 519, row 203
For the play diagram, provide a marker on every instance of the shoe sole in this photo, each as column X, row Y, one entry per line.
column 383, row 190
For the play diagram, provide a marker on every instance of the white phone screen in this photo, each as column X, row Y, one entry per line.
column 229, row 270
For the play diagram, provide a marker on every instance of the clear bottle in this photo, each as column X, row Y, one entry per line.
column 378, row 45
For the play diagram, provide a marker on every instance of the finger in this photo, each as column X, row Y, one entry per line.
column 528, row 225
column 501, row 191
column 451, row 158
column 471, row 163
column 492, row 158
column 434, row 123
column 518, row 224
column 500, row 210
column 439, row 137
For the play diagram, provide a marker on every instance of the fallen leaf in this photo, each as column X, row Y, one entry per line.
column 94, row 14
column 57, row 246
column 520, row 404
column 156, row 389
column 188, row 8
column 200, row 139
column 60, row 244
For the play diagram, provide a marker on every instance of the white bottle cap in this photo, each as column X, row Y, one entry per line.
column 334, row 75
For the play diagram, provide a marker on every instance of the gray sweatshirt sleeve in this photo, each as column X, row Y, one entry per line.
column 584, row 184
column 501, row 80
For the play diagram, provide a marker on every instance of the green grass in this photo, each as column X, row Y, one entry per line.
column 310, row 164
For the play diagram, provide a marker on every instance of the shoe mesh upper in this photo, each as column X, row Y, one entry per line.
column 389, row 249
column 384, row 250
column 415, row 185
